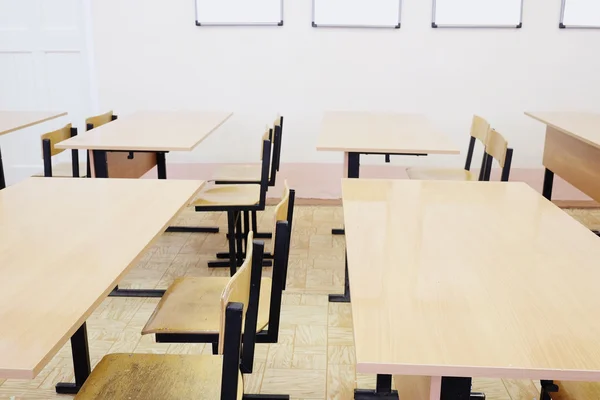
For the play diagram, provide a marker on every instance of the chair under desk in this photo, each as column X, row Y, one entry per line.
column 357, row 133
column 468, row 279
column 11, row 121
column 59, row 261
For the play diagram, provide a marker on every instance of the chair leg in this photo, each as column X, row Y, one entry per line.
column 238, row 237
column 231, row 230
column 266, row 397
column 215, row 348
column 246, row 229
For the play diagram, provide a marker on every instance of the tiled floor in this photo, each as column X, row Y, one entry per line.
column 314, row 358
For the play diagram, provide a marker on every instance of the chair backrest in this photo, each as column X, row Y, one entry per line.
column 99, row 120
column 479, row 131
column 278, row 126
column 49, row 142
column 497, row 149
column 281, row 210
column 232, row 335
column 244, row 288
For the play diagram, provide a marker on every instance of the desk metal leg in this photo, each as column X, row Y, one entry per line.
column 353, row 172
column 548, row 182
column 383, row 390
column 547, row 388
column 81, row 362
column 2, row 180
column 338, row 231
column 459, row 389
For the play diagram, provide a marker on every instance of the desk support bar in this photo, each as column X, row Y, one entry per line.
column 81, row 362
column 383, row 390
column 548, row 183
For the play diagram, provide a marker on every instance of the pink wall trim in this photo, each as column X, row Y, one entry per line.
column 322, row 181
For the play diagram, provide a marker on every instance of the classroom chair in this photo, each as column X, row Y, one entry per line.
column 189, row 311
column 49, row 150
column 95, row 122
column 234, row 200
column 249, row 174
column 497, row 149
column 178, row 377
column 479, row 131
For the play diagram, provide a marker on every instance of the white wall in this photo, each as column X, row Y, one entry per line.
column 150, row 55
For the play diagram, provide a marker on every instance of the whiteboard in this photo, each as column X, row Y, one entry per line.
column 357, row 13
column 239, row 12
column 580, row 14
column 477, row 13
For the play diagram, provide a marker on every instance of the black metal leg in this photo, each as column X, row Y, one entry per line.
column 547, row 388
column 231, row 231
column 238, row 238
column 548, row 182
column 2, row 180
column 161, row 165
column 343, row 298
column 193, row 229
column 458, row 389
column 246, row 229
column 338, row 231
column 383, row 390
column 100, row 165
column 81, row 362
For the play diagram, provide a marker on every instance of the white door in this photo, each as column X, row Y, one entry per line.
column 43, row 66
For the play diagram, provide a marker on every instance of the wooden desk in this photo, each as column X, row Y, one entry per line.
column 571, row 150
column 357, row 133
column 11, row 121
column 475, row 279
column 64, row 245
column 154, row 132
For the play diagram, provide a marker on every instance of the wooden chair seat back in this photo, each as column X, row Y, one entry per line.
column 497, row 149
column 56, row 137
column 480, row 128
column 99, row 120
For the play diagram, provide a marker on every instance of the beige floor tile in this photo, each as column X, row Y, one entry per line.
column 340, row 382
column 341, row 355
column 493, row 388
column 280, row 356
column 311, row 335
column 253, row 381
column 340, row 336
column 314, row 300
column 298, row 383
column 303, row 315
column 340, row 315
column 310, row 357
column 521, row 389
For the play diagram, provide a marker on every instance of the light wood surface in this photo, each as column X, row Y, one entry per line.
column 441, row 174
column 120, row 166
column 573, row 160
column 496, row 147
column 156, row 376
column 11, row 121
column 98, row 120
column 229, row 195
column 470, row 279
column 480, row 129
column 382, row 133
column 65, row 244
column 580, row 125
column 151, row 131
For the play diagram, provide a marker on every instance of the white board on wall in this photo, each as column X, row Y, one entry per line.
column 477, row 13
column 239, row 12
column 357, row 13
column 580, row 14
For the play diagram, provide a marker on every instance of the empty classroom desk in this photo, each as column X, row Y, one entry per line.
column 571, row 150
column 147, row 136
column 64, row 244
column 356, row 133
column 11, row 121
column 468, row 279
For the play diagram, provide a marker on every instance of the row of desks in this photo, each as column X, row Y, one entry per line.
column 468, row 279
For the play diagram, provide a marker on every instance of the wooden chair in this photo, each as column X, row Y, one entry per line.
column 189, row 311
column 479, row 131
column 497, row 149
column 248, row 174
column 563, row 390
column 177, row 377
column 95, row 122
column 49, row 142
column 235, row 200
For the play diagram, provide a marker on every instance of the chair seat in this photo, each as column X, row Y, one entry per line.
column 229, row 195
column 193, row 306
column 441, row 174
column 65, row 170
column 576, row 391
column 238, row 173
column 156, row 377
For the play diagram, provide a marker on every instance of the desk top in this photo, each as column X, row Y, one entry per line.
column 64, row 244
column 580, row 125
column 470, row 279
column 382, row 133
column 150, row 131
column 11, row 121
